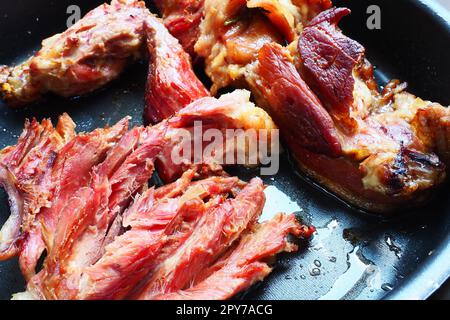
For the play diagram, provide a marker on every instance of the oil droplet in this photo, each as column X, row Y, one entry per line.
column 332, row 259
column 315, row 272
column 387, row 287
column 392, row 246
column 317, row 263
column 303, row 277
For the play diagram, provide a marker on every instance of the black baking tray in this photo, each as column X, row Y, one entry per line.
column 353, row 255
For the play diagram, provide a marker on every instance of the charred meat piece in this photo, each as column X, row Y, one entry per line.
column 380, row 132
column 83, row 58
column 376, row 167
column 171, row 83
column 432, row 125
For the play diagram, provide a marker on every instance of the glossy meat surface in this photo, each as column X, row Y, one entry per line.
column 182, row 18
column 83, row 58
column 321, row 92
column 172, row 83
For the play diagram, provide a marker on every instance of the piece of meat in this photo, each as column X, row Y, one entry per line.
column 216, row 231
column 128, row 258
column 31, row 250
column 10, row 232
column 230, row 111
column 244, row 265
column 10, row 158
column 83, row 58
column 233, row 31
column 137, row 169
column 80, row 237
column 230, row 37
column 23, row 175
column 395, row 165
column 283, row 14
column 432, row 125
column 303, row 120
column 172, row 83
column 38, row 190
column 150, row 223
column 382, row 161
column 182, row 18
column 72, row 169
column 87, row 248
column 329, row 58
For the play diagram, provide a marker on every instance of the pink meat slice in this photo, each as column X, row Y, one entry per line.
column 155, row 223
column 172, row 83
column 244, row 265
column 214, row 234
column 72, row 169
column 23, row 170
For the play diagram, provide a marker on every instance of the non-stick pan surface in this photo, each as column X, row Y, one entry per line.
column 353, row 255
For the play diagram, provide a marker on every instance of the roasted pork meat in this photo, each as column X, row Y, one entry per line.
column 106, row 235
column 86, row 56
column 96, row 50
column 182, row 18
column 24, row 175
column 232, row 33
column 389, row 149
column 246, row 263
column 172, row 83
column 230, row 111
column 217, row 230
column 394, row 165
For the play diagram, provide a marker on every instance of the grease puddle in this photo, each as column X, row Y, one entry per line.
column 277, row 201
column 361, row 274
column 322, row 234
